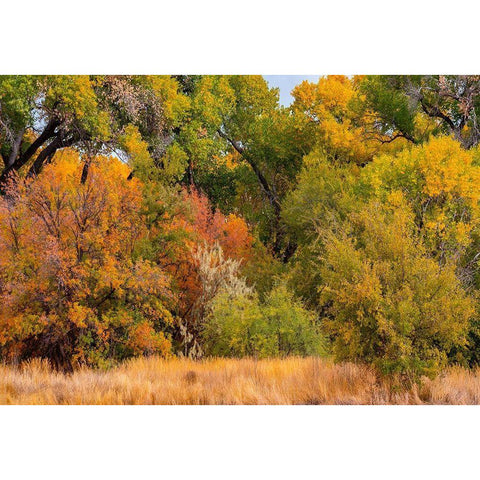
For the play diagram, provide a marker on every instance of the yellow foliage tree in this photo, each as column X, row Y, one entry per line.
column 387, row 302
column 335, row 112
column 441, row 180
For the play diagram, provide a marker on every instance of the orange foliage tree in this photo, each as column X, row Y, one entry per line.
column 72, row 288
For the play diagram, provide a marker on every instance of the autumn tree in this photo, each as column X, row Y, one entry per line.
column 388, row 254
column 334, row 113
column 440, row 179
column 73, row 290
column 450, row 103
column 40, row 115
column 387, row 301
column 199, row 239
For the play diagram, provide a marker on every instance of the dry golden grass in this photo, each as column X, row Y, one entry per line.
column 225, row 381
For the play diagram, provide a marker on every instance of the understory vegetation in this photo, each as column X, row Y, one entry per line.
column 196, row 217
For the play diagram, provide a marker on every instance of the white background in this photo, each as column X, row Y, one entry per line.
column 239, row 442
column 263, row 37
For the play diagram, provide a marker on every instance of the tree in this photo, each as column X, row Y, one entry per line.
column 236, row 121
column 441, row 182
column 324, row 195
column 40, row 115
column 181, row 238
column 337, row 119
column 388, row 302
column 450, row 102
column 72, row 288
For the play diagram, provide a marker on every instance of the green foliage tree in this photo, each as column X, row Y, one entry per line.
column 40, row 115
column 243, row 149
column 401, row 103
column 324, row 195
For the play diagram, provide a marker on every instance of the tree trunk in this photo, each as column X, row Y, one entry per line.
column 278, row 229
column 15, row 162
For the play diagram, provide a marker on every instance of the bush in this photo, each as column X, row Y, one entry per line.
column 388, row 302
column 239, row 325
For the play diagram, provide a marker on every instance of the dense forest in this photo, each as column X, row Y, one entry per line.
column 196, row 216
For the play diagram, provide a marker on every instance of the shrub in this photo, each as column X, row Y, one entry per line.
column 213, row 272
column 240, row 325
column 388, row 302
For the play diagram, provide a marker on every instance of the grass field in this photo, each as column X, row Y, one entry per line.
column 225, row 381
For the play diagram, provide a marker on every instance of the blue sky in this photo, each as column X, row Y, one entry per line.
column 286, row 84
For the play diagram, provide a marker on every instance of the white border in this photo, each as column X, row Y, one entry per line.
column 251, row 36
column 238, row 442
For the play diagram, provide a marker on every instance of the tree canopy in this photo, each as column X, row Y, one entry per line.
column 195, row 215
